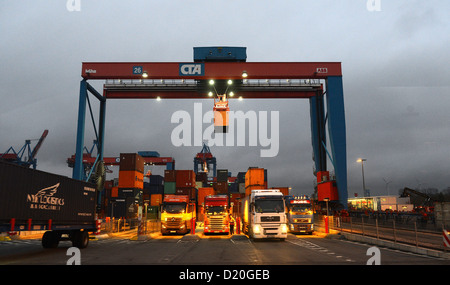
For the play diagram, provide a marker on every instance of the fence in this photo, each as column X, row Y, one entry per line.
column 408, row 229
column 120, row 225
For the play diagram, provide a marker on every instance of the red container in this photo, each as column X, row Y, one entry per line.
column 170, row 176
column 188, row 191
column 221, row 187
column 131, row 162
column 185, row 178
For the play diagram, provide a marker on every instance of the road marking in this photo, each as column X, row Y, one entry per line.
column 315, row 247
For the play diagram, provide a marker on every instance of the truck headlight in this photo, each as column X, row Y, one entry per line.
column 283, row 228
column 257, row 229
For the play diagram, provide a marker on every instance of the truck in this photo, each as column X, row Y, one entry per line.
column 263, row 214
column 299, row 214
column 177, row 214
column 34, row 200
column 216, row 211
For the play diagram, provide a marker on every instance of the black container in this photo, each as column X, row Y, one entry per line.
column 41, row 196
column 222, row 175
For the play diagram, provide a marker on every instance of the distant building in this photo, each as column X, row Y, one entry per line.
column 381, row 203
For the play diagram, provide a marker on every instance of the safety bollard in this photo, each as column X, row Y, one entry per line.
column 326, row 225
column 193, row 226
column 238, row 225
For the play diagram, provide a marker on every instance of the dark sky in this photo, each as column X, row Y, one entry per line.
column 394, row 61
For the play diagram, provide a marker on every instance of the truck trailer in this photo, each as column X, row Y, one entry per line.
column 263, row 214
column 177, row 214
column 34, row 200
column 299, row 214
column 216, row 214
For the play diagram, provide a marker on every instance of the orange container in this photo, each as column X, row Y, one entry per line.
column 221, row 121
column 155, row 199
column 203, row 192
column 131, row 179
column 254, row 176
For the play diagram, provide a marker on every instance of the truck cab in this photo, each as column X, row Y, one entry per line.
column 299, row 214
column 264, row 214
column 216, row 214
column 177, row 213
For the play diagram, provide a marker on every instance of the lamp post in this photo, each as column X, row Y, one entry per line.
column 362, row 168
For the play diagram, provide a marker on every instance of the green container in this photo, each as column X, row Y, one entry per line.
column 169, row 187
column 152, row 212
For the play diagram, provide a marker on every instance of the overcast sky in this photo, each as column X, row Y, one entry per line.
column 394, row 62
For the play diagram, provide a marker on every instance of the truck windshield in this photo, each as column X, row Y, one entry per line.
column 213, row 210
column 301, row 209
column 174, row 208
column 269, row 206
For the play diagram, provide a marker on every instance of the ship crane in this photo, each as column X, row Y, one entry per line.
column 18, row 157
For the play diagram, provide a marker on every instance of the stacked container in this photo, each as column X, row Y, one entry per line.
column 254, row 180
column 170, row 181
column 185, row 183
column 130, row 186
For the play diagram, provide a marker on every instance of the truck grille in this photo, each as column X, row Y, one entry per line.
column 216, row 223
column 270, row 219
column 305, row 220
column 174, row 222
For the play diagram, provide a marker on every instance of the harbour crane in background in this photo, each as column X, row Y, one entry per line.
column 18, row 157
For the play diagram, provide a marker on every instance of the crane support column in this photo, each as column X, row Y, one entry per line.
column 337, row 134
column 78, row 171
column 318, row 134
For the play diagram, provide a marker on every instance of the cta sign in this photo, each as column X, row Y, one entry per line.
column 191, row 69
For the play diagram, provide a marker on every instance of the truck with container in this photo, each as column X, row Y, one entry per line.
column 299, row 213
column 263, row 215
column 34, row 200
column 216, row 214
column 178, row 214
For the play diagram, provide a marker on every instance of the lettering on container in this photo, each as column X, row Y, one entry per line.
column 44, row 199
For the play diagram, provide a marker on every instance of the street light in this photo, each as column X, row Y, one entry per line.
column 362, row 167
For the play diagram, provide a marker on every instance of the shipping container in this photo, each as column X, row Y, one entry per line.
column 188, row 191
column 185, row 178
column 41, row 200
column 152, row 212
column 240, row 177
column 131, row 192
column 242, row 188
column 131, row 179
column 203, row 192
column 222, row 175
column 221, row 187
column 202, row 177
column 170, row 176
column 114, row 192
column 254, row 176
column 169, row 187
column 131, row 162
column 233, row 188
column 156, row 180
column 156, row 199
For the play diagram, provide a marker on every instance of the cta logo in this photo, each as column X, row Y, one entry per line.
column 192, row 69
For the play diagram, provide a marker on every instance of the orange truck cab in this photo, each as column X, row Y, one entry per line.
column 216, row 214
column 177, row 213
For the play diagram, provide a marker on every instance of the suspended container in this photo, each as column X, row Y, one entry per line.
column 221, row 112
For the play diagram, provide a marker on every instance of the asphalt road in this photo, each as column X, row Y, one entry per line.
column 210, row 250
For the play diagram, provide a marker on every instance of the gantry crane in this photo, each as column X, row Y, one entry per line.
column 205, row 159
column 18, row 157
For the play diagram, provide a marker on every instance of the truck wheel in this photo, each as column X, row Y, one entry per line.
column 50, row 239
column 80, row 239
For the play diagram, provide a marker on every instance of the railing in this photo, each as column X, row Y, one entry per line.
column 399, row 229
column 121, row 225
